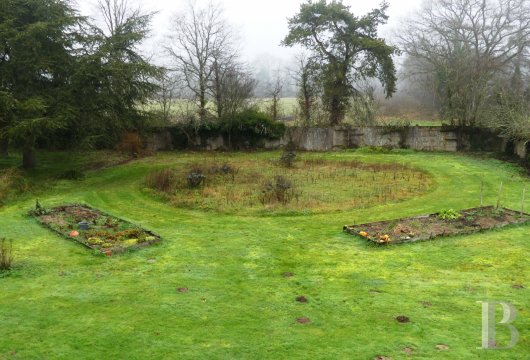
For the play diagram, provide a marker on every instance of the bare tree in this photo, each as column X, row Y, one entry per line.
column 200, row 39
column 274, row 93
column 166, row 95
column 463, row 45
column 117, row 14
column 305, row 77
column 233, row 87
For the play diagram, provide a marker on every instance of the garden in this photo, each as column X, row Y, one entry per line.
column 226, row 270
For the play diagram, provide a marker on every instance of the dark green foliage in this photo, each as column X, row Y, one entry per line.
column 110, row 82
column 347, row 48
column 38, row 41
column 64, row 82
column 245, row 129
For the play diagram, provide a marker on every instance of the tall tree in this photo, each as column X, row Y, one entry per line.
column 38, row 41
column 200, row 43
column 347, row 47
column 113, row 77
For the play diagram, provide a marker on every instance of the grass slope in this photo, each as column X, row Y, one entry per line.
column 61, row 302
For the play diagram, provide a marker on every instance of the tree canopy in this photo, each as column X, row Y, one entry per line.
column 347, row 48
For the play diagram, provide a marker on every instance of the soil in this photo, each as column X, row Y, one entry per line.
column 402, row 319
column 303, row 320
column 408, row 351
column 287, row 274
column 106, row 234
column 301, row 299
column 425, row 227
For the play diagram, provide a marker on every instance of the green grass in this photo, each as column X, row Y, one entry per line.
column 62, row 302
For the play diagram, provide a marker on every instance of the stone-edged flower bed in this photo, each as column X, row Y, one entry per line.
column 446, row 223
column 93, row 228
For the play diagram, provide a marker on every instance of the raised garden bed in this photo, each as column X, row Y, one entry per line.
column 447, row 223
column 96, row 230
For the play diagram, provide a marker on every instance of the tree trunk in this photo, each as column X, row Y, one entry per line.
column 29, row 160
column 4, row 144
column 335, row 114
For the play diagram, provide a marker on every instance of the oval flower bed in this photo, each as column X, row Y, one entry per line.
column 94, row 229
column 445, row 223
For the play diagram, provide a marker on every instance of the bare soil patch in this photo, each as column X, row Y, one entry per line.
column 104, row 233
column 425, row 227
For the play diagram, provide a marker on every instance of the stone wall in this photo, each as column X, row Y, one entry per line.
column 521, row 148
column 426, row 138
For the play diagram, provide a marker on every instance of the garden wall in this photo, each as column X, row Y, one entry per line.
column 426, row 138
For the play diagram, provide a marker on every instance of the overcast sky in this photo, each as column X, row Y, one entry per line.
column 262, row 24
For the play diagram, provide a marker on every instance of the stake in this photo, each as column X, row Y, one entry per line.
column 522, row 200
column 499, row 197
column 481, row 193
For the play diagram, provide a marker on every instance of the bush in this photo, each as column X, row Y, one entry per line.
column 248, row 127
column 163, row 180
column 288, row 158
column 195, row 179
column 6, row 254
column 280, row 190
column 225, row 169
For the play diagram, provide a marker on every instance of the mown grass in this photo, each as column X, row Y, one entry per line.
column 61, row 302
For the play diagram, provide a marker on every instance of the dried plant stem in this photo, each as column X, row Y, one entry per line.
column 499, row 196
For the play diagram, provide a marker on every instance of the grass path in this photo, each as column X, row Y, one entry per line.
column 61, row 302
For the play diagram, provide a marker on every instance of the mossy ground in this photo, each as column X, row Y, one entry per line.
column 62, row 302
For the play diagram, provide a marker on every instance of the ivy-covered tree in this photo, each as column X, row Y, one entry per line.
column 37, row 46
column 347, row 48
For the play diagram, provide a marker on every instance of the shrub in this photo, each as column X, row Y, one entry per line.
column 288, row 158
column 225, row 169
column 39, row 210
column 246, row 128
column 163, row 180
column 131, row 143
column 281, row 190
column 449, row 214
column 195, row 179
column 6, row 254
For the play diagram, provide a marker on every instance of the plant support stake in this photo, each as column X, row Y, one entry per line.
column 481, row 193
column 499, row 197
column 522, row 200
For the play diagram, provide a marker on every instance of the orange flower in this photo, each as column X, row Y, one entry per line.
column 363, row 233
column 384, row 238
column 74, row 233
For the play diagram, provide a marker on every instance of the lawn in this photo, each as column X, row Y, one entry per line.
column 214, row 287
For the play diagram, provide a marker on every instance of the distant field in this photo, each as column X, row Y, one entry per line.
column 289, row 108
